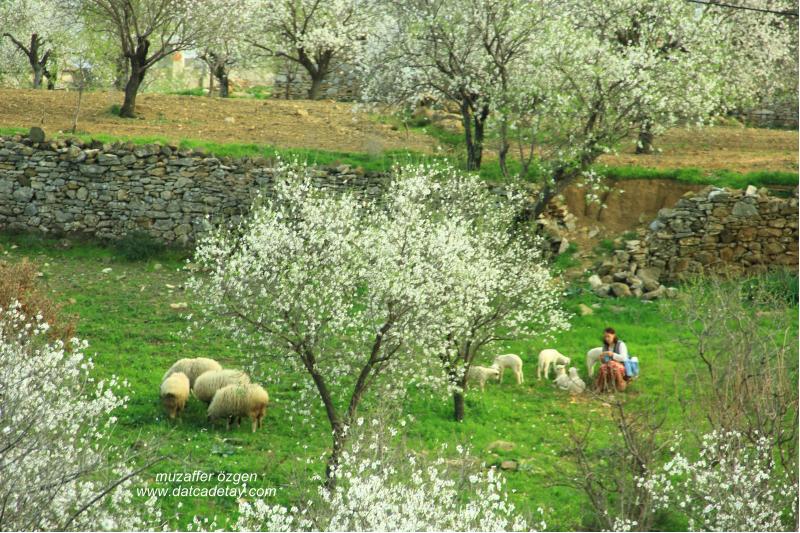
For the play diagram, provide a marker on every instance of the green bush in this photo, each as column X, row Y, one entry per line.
column 138, row 246
column 115, row 109
column 197, row 91
column 777, row 285
column 259, row 92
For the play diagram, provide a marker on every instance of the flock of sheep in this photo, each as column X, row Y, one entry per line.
column 566, row 379
column 227, row 392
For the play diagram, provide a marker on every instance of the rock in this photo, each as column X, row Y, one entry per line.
column 229, row 120
column 563, row 246
column 585, row 310
column 36, row 134
column 718, row 195
column 743, row 209
column 622, row 256
column 23, row 194
column 502, row 445
column 157, row 266
column 301, row 112
column 595, row 281
column 751, row 191
column 603, row 290
column 179, row 305
column 660, row 292
column 106, row 270
column 671, row 292
column 620, row 290
column 509, row 465
column 620, row 276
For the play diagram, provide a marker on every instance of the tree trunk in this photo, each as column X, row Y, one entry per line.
column 458, row 406
column 504, row 148
column 38, row 75
column 222, row 77
column 138, row 62
column 335, row 457
column 644, row 144
column 316, row 87
column 131, row 90
column 466, row 121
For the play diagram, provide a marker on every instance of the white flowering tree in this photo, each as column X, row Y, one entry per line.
column 498, row 283
column 58, row 470
column 338, row 291
column 38, row 31
column 311, row 33
column 732, row 485
column 150, row 30
column 384, row 486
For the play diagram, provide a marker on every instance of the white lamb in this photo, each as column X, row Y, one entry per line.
column 592, row 357
column 193, row 368
column 208, row 383
column 174, row 393
column 480, row 374
column 576, row 384
column 547, row 358
column 509, row 360
column 569, row 382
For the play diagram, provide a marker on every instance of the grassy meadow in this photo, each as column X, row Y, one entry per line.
column 133, row 332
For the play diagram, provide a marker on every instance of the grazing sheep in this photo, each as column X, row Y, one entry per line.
column 592, row 357
column 576, row 385
column 208, row 383
column 238, row 401
column 547, row 358
column 569, row 382
column 193, row 368
column 174, row 393
column 481, row 374
column 501, row 362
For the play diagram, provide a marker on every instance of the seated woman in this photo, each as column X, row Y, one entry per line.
column 612, row 370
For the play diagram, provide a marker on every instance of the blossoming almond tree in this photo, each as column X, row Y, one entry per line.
column 733, row 485
column 38, row 30
column 311, row 33
column 150, row 30
column 499, row 286
column 384, row 486
column 323, row 283
column 58, row 470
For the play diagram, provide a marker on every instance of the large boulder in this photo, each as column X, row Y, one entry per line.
column 620, row 290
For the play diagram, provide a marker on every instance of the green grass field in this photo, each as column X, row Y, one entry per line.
column 125, row 314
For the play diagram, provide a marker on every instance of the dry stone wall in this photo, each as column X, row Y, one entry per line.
column 110, row 190
column 711, row 231
column 722, row 229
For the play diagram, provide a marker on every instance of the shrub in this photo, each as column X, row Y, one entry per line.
column 60, row 470
column 18, row 283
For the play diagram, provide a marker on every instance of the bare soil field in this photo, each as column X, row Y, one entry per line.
column 733, row 148
column 338, row 126
column 320, row 125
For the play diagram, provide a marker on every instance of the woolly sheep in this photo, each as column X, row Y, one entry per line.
column 547, row 358
column 592, row 357
column 208, row 383
column 481, row 374
column 569, row 382
column 174, row 393
column 193, row 368
column 238, row 401
column 512, row 361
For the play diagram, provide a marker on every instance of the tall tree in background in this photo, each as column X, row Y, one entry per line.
column 37, row 30
column 311, row 33
column 150, row 30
